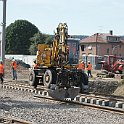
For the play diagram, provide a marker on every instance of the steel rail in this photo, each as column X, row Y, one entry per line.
column 105, row 108
column 110, row 96
column 85, row 99
column 7, row 120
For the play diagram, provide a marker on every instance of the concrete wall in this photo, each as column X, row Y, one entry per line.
column 28, row 59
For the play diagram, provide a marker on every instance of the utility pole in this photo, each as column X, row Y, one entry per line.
column 97, row 43
column 3, row 31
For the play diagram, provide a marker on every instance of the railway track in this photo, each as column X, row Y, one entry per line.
column 106, row 102
column 4, row 120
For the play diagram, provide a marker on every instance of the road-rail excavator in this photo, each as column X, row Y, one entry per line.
column 53, row 70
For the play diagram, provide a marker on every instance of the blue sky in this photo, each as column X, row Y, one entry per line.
column 83, row 17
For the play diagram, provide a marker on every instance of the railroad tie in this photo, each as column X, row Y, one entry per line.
column 87, row 100
column 77, row 98
column 118, row 104
column 123, row 106
column 82, row 99
column 99, row 102
column 39, row 92
column 105, row 103
column 45, row 93
column 93, row 101
column 112, row 103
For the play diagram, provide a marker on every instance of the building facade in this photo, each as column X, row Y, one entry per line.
column 0, row 43
column 102, row 44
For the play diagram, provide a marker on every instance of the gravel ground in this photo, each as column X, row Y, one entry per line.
column 23, row 105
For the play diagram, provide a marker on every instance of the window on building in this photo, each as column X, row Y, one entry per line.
column 82, row 47
column 89, row 53
column 113, row 39
column 107, row 50
column 89, row 47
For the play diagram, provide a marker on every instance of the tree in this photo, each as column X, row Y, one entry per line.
column 39, row 38
column 18, row 36
column 49, row 39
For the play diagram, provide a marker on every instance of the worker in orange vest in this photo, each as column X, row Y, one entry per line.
column 81, row 65
column 89, row 68
column 14, row 68
column 1, row 71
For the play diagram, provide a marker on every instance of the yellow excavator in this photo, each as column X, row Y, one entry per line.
column 53, row 70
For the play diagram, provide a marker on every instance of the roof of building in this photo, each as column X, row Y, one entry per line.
column 100, row 38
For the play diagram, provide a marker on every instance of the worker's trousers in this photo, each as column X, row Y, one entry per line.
column 14, row 73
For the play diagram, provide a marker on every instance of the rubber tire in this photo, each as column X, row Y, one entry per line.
column 52, row 77
column 33, row 80
column 84, row 81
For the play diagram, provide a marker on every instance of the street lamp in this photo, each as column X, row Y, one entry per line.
column 114, row 48
column 3, row 31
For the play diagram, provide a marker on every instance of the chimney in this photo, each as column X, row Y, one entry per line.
column 111, row 32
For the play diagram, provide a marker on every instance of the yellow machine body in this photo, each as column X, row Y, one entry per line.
column 56, row 54
column 53, row 69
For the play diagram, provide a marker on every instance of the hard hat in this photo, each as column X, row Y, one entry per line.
column 88, row 61
column 13, row 60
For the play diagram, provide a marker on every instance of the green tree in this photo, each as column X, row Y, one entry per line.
column 49, row 39
column 39, row 38
column 18, row 36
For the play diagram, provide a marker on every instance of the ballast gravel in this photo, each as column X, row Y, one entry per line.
column 22, row 105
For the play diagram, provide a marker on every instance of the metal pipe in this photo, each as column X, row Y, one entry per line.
column 3, row 31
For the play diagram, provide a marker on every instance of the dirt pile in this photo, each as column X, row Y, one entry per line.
column 22, row 70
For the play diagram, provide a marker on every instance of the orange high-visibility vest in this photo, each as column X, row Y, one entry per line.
column 81, row 66
column 89, row 67
column 1, row 68
column 14, row 65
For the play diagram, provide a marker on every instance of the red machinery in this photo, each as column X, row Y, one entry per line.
column 110, row 65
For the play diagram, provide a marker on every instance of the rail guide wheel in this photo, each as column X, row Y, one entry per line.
column 33, row 80
column 49, row 77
